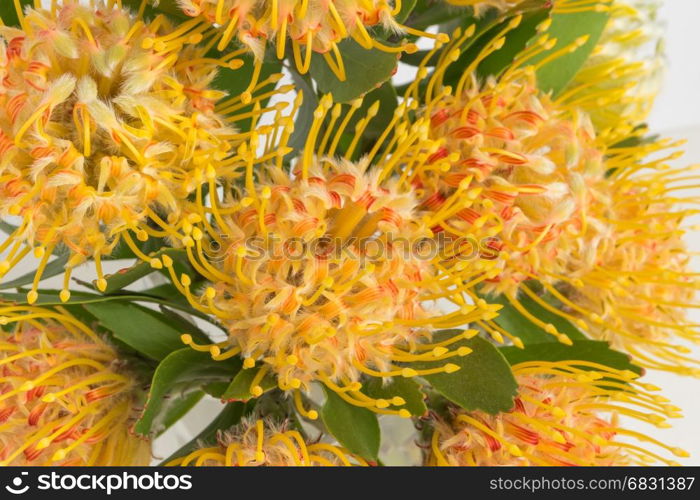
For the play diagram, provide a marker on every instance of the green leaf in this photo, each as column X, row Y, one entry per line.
column 7, row 228
column 488, row 27
column 8, row 14
column 181, row 323
column 186, row 370
column 428, row 13
column 305, row 115
column 512, row 321
column 388, row 102
column 405, row 388
column 236, row 81
column 355, row 428
column 229, row 416
column 169, row 295
column 365, row 70
column 534, row 13
column 145, row 330
column 583, row 350
column 179, row 409
column 567, row 28
column 53, row 268
column 407, row 7
column 239, row 388
column 148, row 247
column 125, row 277
column 483, row 382
column 168, row 7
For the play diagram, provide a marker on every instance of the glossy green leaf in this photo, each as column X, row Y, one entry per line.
column 236, row 81
column 229, row 416
column 512, row 321
column 153, row 8
column 305, row 115
column 7, row 228
column 179, row 409
column 8, row 14
column 366, row 70
column 239, row 388
column 125, row 277
column 428, row 13
column 355, row 428
column 148, row 332
column 148, row 247
column 583, row 350
column 407, row 7
column 483, row 382
column 388, row 102
column 533, row 14
column 566, row 28
column 405, row 388
column 530, row 13
column 51, row 297
column 183, row 370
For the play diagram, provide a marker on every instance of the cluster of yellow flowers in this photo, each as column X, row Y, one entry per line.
column 65, row 397
column 558, row 419
column 335, row 263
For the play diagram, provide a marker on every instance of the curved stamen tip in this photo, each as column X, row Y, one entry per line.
column 167, row 261
column 32, row 297
column 451, row 368
column 564, row 339
column 101, row 284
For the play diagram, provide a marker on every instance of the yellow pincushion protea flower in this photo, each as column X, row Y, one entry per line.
column 65, row 397
column 265, row 444
column 633, row 284
column 529, row 163
column 566, row 413
column 322, row 275
column 311, row 26
column 620, row 80
column 106, row 123
column 564, row 208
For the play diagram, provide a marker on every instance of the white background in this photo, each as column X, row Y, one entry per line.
column 677, row 114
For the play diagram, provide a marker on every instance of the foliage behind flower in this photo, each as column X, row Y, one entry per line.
column 65, row 397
